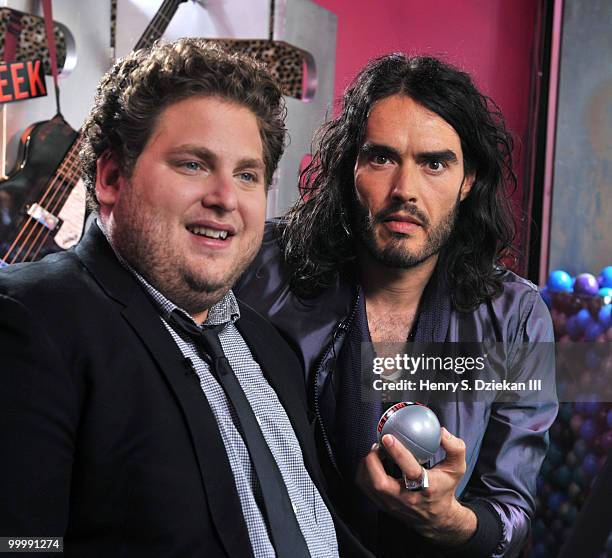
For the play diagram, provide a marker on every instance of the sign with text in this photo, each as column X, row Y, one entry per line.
column 21, row 80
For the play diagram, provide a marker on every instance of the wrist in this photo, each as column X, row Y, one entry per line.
column 457, row 527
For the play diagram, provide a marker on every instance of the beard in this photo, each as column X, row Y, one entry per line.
column 143, row 243
column 395, row 254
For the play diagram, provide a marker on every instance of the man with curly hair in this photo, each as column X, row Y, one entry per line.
column 400, row 236
column 144, row 410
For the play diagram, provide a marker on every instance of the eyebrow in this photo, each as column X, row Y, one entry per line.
column 446, row 155
column 369, row 148
column 209, row 156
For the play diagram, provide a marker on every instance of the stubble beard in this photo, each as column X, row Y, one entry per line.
column 395, row 254
column 141, row 243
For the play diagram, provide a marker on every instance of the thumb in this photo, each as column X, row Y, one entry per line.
column 455, row 451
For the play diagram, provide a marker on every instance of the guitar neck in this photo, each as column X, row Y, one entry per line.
column 69, row 170
column 158, row 25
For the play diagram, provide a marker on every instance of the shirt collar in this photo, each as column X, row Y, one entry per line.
column 222, row 312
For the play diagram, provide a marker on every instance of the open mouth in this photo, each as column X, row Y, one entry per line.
column 209, row 233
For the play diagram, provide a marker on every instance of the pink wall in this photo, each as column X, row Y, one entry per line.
column 491, row 39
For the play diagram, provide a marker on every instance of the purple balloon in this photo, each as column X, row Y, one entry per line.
column 586, row 284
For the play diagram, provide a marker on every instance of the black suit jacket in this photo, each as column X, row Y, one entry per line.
column 106, row 436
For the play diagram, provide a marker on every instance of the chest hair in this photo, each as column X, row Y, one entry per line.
column 389, row 326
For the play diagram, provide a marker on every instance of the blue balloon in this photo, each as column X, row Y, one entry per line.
column 593, row 331
column 590, row 464
column 559, row 280
column 605, row 277
column 556, row 499
column 605, row 292
column 584, row 319
column 605, row 315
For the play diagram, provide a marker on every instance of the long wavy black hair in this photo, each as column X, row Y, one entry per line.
column 316, row 237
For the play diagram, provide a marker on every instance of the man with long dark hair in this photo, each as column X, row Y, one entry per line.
column 401, row 234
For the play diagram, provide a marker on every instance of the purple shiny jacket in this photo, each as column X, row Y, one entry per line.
column 505, row 442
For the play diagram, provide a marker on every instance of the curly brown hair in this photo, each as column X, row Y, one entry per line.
column 137, row 89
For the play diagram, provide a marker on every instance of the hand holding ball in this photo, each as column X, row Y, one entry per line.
column 415, row 426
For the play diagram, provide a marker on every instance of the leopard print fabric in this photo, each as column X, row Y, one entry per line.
column 32, row 42
column 285, row 62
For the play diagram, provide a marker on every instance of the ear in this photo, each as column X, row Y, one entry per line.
column 109, row 180
column 466, row 186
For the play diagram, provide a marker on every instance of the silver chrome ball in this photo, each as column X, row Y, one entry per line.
column 415, row 426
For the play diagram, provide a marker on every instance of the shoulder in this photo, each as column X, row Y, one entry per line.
column 521, row 301
column 57, row 294
column 270, row 254
column 520, row 291
column 266, row 278
column 36, row 281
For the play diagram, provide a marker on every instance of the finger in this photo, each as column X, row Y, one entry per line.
column 376, row 476
column 403, row 457
column 455, row 451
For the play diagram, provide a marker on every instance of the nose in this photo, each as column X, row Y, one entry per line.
column 405, row 185
column 219, row 192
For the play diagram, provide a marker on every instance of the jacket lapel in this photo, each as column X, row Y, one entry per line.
column 209, row 449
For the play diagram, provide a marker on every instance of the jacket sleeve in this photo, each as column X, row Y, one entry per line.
column 38, row 418
column 516, row 438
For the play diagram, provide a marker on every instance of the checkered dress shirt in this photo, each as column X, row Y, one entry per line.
column 313, row 516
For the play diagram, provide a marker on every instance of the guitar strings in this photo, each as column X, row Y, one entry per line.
column 65, row 185
column 68, row 181
column 35, row 225
column 152, row 32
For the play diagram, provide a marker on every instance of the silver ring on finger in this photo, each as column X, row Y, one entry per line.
column 416, row 485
